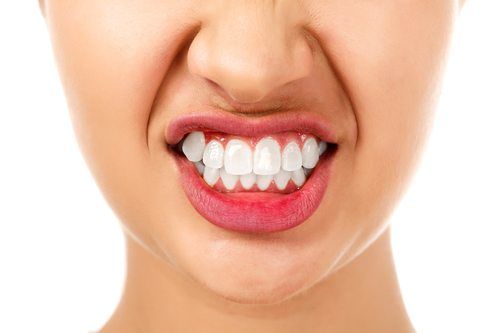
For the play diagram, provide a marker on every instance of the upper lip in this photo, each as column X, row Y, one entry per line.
column 245, row 125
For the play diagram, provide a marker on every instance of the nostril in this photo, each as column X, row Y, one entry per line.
column 245, row 62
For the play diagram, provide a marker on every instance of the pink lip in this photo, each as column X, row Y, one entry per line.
column 250, row 127
column 253, row 212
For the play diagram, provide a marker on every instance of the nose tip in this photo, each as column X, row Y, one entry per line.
column 247, row 60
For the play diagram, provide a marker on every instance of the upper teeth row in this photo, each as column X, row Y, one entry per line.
column 237, row 157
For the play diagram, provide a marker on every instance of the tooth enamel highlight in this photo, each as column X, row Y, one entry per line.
column 281, row 179
column 291, row 159
column 263, row 181
column 265, row 164
column 200, row 167
column 267, row 157
column 211, row 175
column 322, row 147
column 248, row 180
column 193, row 146
column 310, row 153
column 298, row 177
column 228, row 180
column 213, row 156
column 238, row 158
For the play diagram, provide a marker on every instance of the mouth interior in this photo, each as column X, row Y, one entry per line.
column 275, row 164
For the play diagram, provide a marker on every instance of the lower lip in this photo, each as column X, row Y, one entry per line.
column 255, row 212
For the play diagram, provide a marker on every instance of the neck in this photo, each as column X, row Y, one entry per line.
column 363, row 296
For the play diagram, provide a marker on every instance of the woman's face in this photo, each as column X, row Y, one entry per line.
column 359, row 75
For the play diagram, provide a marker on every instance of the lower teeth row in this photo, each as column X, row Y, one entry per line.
column 281, row 180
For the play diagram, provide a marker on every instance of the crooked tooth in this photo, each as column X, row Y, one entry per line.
column 310, row 153
column 193, row 146
column 248, row 180
column 238, row 158
column 263, row 181
column 211, row 175
column 291, row 159
column 322, row 147
column 281, row 179
column 298, row 177
column 200, row 167
column 267, row 157
column 213, row 156
column 228, row 180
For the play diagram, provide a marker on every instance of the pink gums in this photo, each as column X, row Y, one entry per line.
column 283, row 138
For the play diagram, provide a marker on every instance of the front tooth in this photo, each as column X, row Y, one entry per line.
column 213, row 156
column 238, row 158
column 267, row 157
column 263, row 181
column 298, row 177
column 292, row 157
column 193, row 146
column 248, row 180
column 310, row 153
column 228, row 180
column 281, row 179
column 322, row 147
column 211, row 175
column 200, row 167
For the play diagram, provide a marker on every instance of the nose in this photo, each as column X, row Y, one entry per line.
column 251, row 48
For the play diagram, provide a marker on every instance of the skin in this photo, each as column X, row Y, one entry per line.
column 370, row 68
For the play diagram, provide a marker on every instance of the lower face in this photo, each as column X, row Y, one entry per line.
column 256, row 201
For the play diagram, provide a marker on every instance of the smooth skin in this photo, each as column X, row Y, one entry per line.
column 371, row 68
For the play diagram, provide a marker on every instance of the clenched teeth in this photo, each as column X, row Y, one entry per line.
column 254, row 165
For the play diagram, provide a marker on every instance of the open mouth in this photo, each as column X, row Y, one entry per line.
column 252, row 175
column 278, row 163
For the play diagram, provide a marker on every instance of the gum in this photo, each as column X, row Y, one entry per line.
column 282, row 138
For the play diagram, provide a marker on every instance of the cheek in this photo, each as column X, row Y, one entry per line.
column 389, row 56
column 112, row 57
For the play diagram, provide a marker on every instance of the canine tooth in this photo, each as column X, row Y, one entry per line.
column 248, row 180
column 193, row 146
column 298, row 177
column 322, row 147
column 200, row 167
column 211, row 175
column 213, row 156
column 281, row 179
column 228, row 180
column 310, row 153
column 238, row 158
column 291, row 159
column 267, row 157
column 263, row 181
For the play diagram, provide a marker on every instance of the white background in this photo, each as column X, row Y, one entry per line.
column 61, row 248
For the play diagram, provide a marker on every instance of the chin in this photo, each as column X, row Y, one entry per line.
column 255, row 289
column 248, row 272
